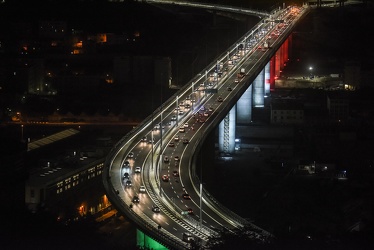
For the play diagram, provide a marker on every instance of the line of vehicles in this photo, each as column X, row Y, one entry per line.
column 184, row 107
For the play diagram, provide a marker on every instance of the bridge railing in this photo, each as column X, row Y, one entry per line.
column 142, row 221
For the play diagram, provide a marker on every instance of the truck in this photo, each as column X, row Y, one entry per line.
column 241, row 73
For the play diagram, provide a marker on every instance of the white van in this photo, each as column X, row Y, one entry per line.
column 187, row 237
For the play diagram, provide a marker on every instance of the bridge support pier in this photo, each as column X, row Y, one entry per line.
column 267, row 79
column 226, row 138
column 272, row 73
column 259, row 90
column 253, row 97
column 244, row 107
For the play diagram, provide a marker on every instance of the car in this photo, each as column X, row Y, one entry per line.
column 236, row 80
column 187, row 106
column 150, row 141
column 171, row 144
column 211, row 108
column 165, row 178
column 138, row 169
column 176, row 158
column 126, row 175
column 187, row 237
column 186, row 196
column 180, row 112
column 206, row 114
column 173, row 118
column 185, row 141
column 142, row 189
column 166, row 159
column 219, row 99
column 128, row 183
column 130, row 155
column 176, row 138
column 157, row 126
column 144, row 139
column 126, row 164
column 135, row 199
column 189, row 210
column 202, row 108
column 175, row 173
column 155, row 209
column 201, row 120
column 181, row 130
column 186, row 125
column 229, row 89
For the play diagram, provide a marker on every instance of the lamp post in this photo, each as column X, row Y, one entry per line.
column 22, row 132
column 152, row 143
column 177, row 108
column 311, row 75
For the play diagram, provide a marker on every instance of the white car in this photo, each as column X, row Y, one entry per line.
column 138, row 169
column 186, row 125
column 142, row 189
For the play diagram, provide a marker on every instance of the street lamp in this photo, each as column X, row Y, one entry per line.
column 311, row 77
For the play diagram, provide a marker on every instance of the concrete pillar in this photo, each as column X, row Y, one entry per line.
column 259, row 90
column 226, row 137
column 285, row 52
column 277, row 63
column 272, row 73
column 244, row 107
column 281, row 52
column 267, row 78
column 290, row 46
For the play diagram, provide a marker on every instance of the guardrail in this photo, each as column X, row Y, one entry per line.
column 143, row 222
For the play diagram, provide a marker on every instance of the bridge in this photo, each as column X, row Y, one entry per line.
column 150, row 174
column 214, row 7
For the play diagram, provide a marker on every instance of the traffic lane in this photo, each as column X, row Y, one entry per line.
column 175, row 189
column 211, row 217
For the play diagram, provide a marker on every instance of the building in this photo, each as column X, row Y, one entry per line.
column 352, row 75
column 286, row 112
column 338, row 105
column 69, row 185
